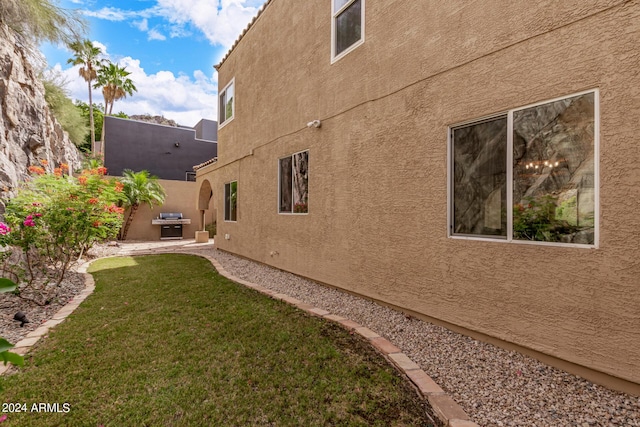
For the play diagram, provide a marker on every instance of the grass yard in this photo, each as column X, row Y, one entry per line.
column 166, row 341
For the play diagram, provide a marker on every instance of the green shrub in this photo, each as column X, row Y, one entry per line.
column 65, row 111
column 98, row 119
column 211, row 228
column 538, row 219
column 52, row 221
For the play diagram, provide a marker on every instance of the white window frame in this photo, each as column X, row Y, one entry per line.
column 225, row 201
column 509, row 160
column 290, row 156
column 233, row 105
column 334, row 16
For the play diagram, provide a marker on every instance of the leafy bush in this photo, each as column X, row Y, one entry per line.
column 52, row 221
column 65, row 111
column 98, row 119
column 212, row 229
column 536, row 219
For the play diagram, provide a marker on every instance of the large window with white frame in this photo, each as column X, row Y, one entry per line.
column 293, row 185
column 528, row 175
column 226, row 103
column 231, row 201
column 347, row 26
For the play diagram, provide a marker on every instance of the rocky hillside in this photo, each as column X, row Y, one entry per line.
column 28, row 131
column 159, row 120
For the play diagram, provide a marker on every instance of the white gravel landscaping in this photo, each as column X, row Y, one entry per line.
column 495, row 387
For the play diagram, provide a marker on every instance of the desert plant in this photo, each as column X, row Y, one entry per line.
column 41, row 20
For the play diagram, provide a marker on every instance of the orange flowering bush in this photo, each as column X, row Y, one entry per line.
column 53, row 220
column 36, row 170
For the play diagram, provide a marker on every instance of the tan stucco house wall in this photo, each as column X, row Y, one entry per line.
column 379, row 165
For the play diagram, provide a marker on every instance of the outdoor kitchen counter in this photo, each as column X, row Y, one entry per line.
column 159, row 221
column 171, row 224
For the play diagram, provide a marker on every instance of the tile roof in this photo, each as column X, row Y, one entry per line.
column 208, row 162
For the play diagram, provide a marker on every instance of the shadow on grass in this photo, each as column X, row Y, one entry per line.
column 166, row 341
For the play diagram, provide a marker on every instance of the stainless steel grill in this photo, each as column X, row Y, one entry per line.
column 170, row 225
column 170, row 215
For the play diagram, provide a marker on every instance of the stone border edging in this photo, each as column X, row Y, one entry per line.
column 445, row 411
column 25, row 344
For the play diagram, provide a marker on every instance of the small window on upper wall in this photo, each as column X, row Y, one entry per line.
column 231, row 201
column 528, row 175
column 226, row 104
column 294, row 183
column 347, row 27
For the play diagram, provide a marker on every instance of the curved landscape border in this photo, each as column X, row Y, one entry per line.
column 444, row 411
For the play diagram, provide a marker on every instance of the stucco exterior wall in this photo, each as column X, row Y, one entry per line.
column 377, row 221
column 181, row 197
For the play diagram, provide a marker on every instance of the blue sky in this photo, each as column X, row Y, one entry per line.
column 169, row 46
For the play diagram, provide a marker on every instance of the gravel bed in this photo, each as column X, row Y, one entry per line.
column 36, row 314
column 495, row 387
column 72, row 285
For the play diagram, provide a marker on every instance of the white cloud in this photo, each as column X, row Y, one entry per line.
column 110, row 14
column 142, row 25
column 178, row 31
column 154, row 34
column 103, row 48
column 182, row 98
column 220, row 21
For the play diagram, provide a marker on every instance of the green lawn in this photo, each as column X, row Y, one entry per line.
column 166, row 341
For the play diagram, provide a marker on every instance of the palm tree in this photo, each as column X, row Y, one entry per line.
column 87, row 55
column 139, row 188
column 115, row 85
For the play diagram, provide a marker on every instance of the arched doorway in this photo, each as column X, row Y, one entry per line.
column 205, row 196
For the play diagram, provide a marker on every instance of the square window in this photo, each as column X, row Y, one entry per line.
column 529, row 175
column 231, row 201
column 294, row 183
column 347, row 26
column 226, row 103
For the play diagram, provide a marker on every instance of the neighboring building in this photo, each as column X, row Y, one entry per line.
column 166, row 151
column 469, row 163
